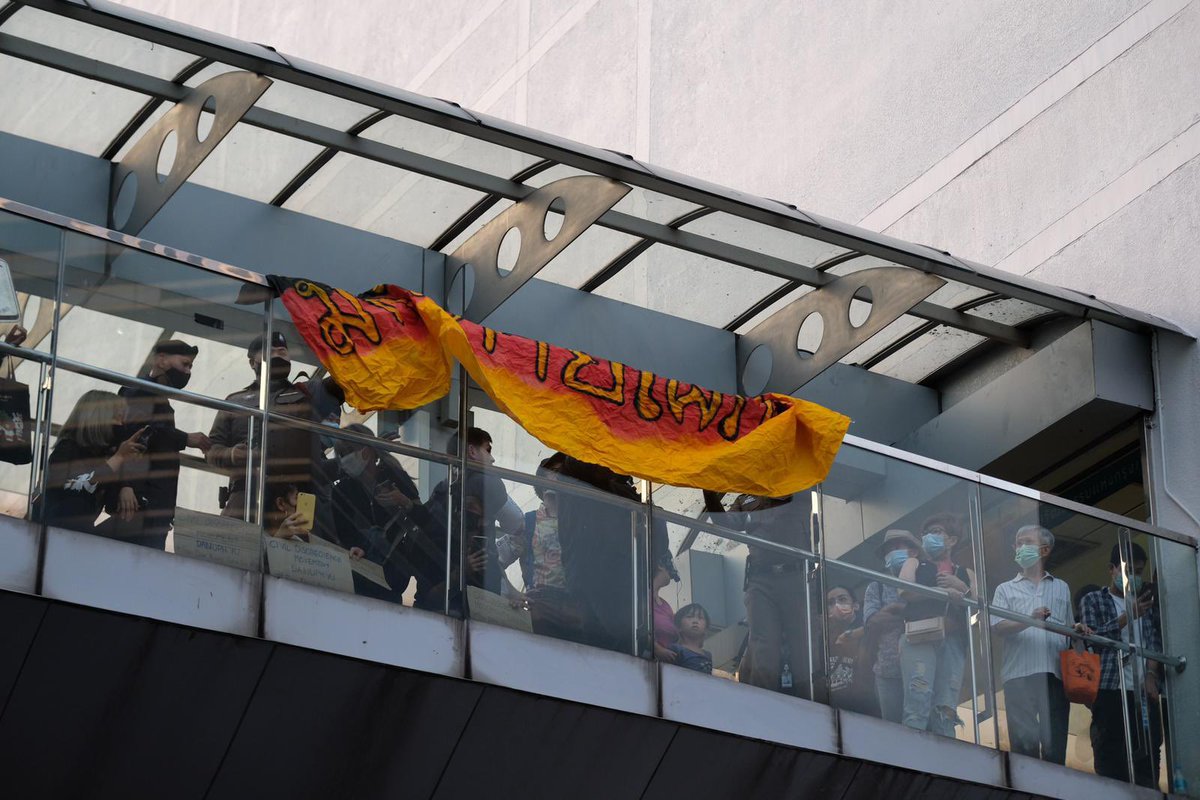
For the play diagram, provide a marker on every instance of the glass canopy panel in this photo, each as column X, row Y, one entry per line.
column 296, row 101
column 61, row 109
column 254, row 163
column 307, row 104
column 890, row 334
column 929, row 353
column 654, row 206
column 764, row 239
column 690, row 286
column 1009, row 311
column 858, row 264
column 954, row 295
column 382, row 199
column 155, row 116
column 102, row 45
column 585, row 256
column 494, row 210
column 787, row 299
column 449, row 146
column 641, row 203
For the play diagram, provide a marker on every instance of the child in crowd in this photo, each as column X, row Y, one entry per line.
column 847, row 662
column 692, row 623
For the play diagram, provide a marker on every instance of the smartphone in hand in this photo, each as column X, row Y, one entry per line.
column 306, row 504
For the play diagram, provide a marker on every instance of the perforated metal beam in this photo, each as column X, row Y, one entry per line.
column 230, row 96
column 581, row 200
column 770, row 349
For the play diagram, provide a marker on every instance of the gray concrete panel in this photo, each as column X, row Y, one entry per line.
column 562, row 669
column 876, row 740
column 1051, row 780
column 694, row 698
column 18, row 554
column 103, row 573
column 361, row 627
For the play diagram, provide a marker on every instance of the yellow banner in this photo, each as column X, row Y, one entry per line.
column 391, row 348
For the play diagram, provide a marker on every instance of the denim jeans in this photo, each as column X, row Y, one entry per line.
column 890, row 692
column 932, row 675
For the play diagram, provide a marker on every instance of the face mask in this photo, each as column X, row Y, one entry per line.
column 353, row 464
column 895, row 560
column 1133, row 584
column 1027, row 555
column 935, row 544
column 176, row 378
column 281, row 368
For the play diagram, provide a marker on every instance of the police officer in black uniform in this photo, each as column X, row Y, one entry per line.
column 294, row 455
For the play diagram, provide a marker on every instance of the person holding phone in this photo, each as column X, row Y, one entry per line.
column 146, row 501
column 92, row 449
column 373, row 499
column 284, row 517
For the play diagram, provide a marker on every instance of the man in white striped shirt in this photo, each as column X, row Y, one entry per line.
column 1037, row 709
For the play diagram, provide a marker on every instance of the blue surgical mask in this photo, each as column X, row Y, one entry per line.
column 1027, row 555
column 895, row 560
column 1133, row 583
column 934, row 544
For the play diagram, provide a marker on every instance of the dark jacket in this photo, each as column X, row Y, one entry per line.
column 78, row 484
column 156, row 479
column 360, row 521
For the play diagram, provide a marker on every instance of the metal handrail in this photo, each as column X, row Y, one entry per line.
column 133, row 242
column 971, row 476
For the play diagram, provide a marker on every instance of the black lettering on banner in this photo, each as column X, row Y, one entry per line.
column 571, row 379
column 730, row 425
column 489, row 340
column 647, row 407
column 543, row 360
column 708, row 405
column 388, row 304
column 335, row 324
column 772, row 407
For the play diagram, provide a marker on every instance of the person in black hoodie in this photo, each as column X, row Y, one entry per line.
column 597, row 539
column 86, row 462
column 146, row 502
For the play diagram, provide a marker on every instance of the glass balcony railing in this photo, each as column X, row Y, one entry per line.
column 172, row 405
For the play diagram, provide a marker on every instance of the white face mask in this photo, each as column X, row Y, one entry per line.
column 353, row 464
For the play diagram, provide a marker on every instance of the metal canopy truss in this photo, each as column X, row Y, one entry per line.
column 890, row 291
column 794, row 232
column 231, row 94
column 583, row 198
